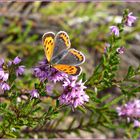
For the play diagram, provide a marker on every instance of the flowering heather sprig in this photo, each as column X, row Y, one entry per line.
column 130, row 19
column 44, row 71
column 73, row 94
column 3, row 77
column 131, row 110
column 114, row 30
column 20, row 69
column 4, row 71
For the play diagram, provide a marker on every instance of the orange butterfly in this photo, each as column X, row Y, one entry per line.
column 59, row 55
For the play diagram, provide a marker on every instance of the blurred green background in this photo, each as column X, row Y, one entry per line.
column 23, row 24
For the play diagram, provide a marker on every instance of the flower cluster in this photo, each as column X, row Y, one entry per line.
column 19, row 69
column 3, row 77
column 73, row 94
column 45, row 72
column 128, row 22
column 4, row 72
column 131, row 110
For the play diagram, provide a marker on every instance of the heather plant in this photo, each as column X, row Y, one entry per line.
column 52, row 103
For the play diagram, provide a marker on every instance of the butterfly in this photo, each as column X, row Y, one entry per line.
column 59, row 54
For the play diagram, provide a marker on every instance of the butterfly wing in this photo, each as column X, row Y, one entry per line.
column 73, row 57
column 62, row 43
column 48, row 43
column 72, row 70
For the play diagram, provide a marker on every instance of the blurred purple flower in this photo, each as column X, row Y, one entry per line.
column 44, row 71
column 17, row 60
column 20, row 70
column 4, row 86
column 49, row 88
column 9, row 63
column 120, row 50
column 34, row 93
column 1, row 62
column 136, row 123
column 73, row 94
column 107, row 45
column 131, row 110
column 130, row 19
column 3, row 76
column 114, row 30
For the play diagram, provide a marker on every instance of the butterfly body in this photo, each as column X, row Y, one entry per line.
column 55, row 60
column 59, row 54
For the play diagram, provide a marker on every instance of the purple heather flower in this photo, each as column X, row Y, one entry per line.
column 34, row 93
column 114, row 30
column 136, row 123
column 107, row 45
column 130, row 110
column 44, row 71
column 17, row 60
column 20, row 70
column 3, row 76
column 56, row 76
column 120, row 50
column 4, row 86
column 130, row 19
column 9, row 63
column 73, row 94
column 49, row 88
column 1, row 62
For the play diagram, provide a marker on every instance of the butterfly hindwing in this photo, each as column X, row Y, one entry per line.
column 62, row 43
column 72, row 70
column 48, row 43
column 73, row 58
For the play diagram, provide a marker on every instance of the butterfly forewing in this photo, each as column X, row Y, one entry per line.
column 72, row 70
column 48, row 43
column 62, row 43
column 73, row 57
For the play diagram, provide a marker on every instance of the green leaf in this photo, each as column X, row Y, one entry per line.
column 130, row 73
column 114, row 101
